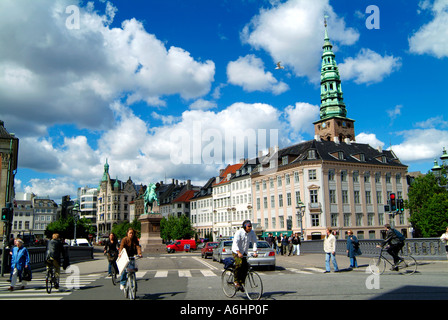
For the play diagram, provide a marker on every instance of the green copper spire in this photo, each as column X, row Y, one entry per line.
column 106, row 171
column 332, row 102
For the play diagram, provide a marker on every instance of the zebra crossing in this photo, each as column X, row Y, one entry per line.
column 36, row 290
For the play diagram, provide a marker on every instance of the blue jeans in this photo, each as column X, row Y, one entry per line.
column 124, row 274
column 331, row 256
column 353, row 262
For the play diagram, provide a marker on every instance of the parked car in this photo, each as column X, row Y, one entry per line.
column 181, row 245
column 79, row 242
column 266, row 255
column 207, row 250
column 222, row 251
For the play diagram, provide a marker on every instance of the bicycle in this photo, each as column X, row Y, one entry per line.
column 130, row 289
column 407, row 264
column 50, row 278
column 253, row 286
column 114, row 272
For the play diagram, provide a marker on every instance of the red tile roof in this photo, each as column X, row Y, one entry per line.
column 229, row 169
column 185, row 196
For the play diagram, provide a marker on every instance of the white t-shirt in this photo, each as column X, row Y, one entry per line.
column 242, row 240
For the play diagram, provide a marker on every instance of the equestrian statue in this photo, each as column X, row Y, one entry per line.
column 149, row 197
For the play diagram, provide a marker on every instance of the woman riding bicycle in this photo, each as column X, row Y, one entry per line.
column 131, row 245
column 240, row 247
column 111, row 250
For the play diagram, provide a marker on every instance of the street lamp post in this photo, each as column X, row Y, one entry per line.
column 440, row 172
column 300, row 209
column 75, row 212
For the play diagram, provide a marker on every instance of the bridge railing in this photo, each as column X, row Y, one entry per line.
column 38, row 255
column 419, row 248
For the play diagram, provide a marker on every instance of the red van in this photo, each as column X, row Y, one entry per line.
column 181, row 245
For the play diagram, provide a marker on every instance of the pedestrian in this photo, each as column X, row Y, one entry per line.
column 131, row 244
column 444, row 239
column 19, row 261
column 330, row 251
column 111, row 250
column 352, row 249
column 284, row 244
column 296, row 244
column 290, row 245
column 278, row 244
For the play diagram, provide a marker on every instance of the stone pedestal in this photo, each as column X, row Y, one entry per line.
column 150, row 239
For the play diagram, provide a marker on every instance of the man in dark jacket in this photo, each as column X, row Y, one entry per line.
column 55, row 249
column 395, row 244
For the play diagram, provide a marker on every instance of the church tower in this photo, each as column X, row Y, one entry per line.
column 333, row 124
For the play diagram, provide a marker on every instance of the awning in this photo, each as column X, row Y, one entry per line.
column 277, row 233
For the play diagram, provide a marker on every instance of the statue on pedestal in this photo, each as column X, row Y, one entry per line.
column 150, row 239
column 149, row 197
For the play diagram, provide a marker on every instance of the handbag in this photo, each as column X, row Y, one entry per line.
column 27, row 275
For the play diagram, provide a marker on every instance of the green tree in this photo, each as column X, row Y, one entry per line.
column 66, row 228
column 175, row 228
column 428, row 203
column 121, row 229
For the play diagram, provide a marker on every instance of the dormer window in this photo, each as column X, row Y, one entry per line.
column 311, row 154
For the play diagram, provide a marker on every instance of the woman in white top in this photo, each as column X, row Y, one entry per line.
column 444, row 239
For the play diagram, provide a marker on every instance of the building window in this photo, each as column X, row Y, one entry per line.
column 312, row 174
column 368, row 198
column 280, row 201
column 356, row 197
column 333, row 196
column 355, row 176
column 346, row 219
column 313, row 196
column 334, row 219
column 288, row 199
column 344, row 196
column 331, row 175
column 359, row 219
column 296, row 177
column 315, row 220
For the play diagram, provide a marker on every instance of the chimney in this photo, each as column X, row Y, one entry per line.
column 188, row 184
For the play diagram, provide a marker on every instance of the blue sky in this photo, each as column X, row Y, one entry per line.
column 153, row 86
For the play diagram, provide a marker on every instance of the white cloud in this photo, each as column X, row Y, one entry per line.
column 368, row 67
column 370, row 139
column 421, row 145
column 301, row 117
column 202, row 104
column 431, row 37
column 249, row 73
column 73, row 75
column 293, row 32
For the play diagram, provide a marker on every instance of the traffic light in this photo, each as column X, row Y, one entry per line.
column 393, row 202
column 5, row 214
column 400, row 205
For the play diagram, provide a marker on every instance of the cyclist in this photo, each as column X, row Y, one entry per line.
column 394, row 242
column 132, row 246
column 240, row 247
column 55, row 249
column 111, row 250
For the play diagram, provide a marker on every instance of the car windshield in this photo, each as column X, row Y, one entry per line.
column 213, row 245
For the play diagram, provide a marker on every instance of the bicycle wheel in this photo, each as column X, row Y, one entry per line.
column 377, row 265
column 114, row 276
column 227, row 282
column 48, row 281
column 407, row 265
column 253, row 286
column 132, row 286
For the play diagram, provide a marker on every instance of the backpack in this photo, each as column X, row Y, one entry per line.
column 399, row 235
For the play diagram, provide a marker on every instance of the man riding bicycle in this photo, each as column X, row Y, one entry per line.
column 395, row 244
column 240, row 247
column 55, row 249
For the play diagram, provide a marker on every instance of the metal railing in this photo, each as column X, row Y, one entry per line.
column 419, row 248
column 38, row 255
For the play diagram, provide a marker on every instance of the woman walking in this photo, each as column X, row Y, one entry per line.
column 19, row 261
column 353, row 249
